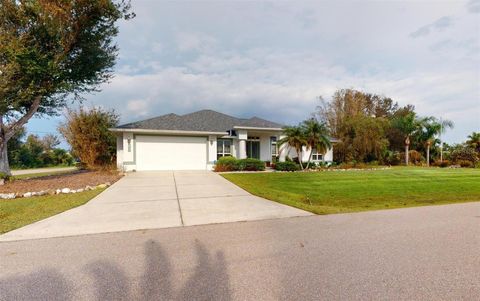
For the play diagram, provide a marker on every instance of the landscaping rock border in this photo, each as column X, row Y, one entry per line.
column 9, row 196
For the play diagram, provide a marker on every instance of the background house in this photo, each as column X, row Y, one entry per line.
column 195, row 141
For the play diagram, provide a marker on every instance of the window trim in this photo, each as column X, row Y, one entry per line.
column 317, row 155
column 273, row 141
column 223, row 153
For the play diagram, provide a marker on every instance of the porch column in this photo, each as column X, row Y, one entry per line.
column 242, row 144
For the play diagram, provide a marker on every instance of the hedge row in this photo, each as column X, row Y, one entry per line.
column 233, row 164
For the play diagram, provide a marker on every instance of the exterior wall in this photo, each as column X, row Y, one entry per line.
column 328, row 156
column 126, row 157
column 128, row 154
column 265, row 148
column 120, row 151
column 211, row 151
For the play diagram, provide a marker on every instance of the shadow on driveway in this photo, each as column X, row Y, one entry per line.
column 209, row 280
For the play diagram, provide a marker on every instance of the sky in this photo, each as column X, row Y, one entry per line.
column 274, row 59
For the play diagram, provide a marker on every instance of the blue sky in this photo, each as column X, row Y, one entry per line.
column 273, row 59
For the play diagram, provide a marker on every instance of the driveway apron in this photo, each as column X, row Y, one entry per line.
column 151, row 200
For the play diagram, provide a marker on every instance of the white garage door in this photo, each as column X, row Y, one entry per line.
column 171, row 153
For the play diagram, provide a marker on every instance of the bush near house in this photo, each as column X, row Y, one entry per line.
column 87, row 131
column 233, row 164
column 286, row 166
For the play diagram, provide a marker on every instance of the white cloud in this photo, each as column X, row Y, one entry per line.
column 273, row 59
column 439, row 25
column 189, row 41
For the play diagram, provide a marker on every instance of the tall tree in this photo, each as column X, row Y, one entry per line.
column 473, row 141
column 49, row 50
column 294, row 137
column 359, row 121
column 430, row 129
column 408, row 125
column 316, row 136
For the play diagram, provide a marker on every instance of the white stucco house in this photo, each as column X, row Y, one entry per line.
column 195, row 141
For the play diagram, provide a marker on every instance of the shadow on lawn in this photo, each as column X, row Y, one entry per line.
column 209, row 281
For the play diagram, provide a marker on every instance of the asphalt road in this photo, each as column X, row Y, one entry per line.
column 427, row 253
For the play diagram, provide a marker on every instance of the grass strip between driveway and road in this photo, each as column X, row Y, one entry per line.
column 329, row 192
column 19, row 212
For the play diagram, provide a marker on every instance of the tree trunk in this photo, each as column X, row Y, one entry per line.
column 309, row 158
column 299, row 154
column 407, row 144
column 428, row 154
column 4, row 166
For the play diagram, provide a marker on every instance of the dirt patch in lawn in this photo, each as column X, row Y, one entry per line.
column 74, row 180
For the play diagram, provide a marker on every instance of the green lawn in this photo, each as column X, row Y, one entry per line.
column 352, row 191
column 23, row 211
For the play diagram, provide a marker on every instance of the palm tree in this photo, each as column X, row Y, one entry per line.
column 474, row 141
column 294, row 137
column 431, row 128
column 408, row 125
column 316, row 135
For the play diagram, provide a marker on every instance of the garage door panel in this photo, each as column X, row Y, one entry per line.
column 171, row 153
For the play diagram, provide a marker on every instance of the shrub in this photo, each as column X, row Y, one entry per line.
column 465, row 163
column 392, row 158
column 226, row 164
column 286, row 166
column 443, row 164
column 414, row 157
column 464, row 154
column 87, row 132
column 233, row 164
column 251, row 164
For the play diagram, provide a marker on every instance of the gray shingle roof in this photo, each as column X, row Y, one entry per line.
column 203, row 121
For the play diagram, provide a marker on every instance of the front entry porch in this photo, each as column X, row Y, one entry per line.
column 257, row 144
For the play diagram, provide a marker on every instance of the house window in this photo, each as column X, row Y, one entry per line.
column 253, row 147
column 274, row 148
column 129, row 143
column 224, row 148
column 316, row 156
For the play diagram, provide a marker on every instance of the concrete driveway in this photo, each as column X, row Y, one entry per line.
column 150, row 200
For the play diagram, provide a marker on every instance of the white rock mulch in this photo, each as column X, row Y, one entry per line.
column 8, row 196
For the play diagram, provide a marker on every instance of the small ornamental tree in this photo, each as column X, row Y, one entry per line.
column 87, row 132
column 49, row 50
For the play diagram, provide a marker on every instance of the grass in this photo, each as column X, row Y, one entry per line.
column 17, row 213
column 353, row 191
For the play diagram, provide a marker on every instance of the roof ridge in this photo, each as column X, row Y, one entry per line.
column 210, row 110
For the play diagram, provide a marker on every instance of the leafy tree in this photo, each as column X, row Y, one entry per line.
column 473, row 141
column 294, row 137
column 87, row 132
column 316, row 136
column 463, row 153
column 50, row 141
column 51, row 49
column 408, row 125
column 359, row 120
column 430, row 129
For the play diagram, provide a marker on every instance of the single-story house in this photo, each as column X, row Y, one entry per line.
column 195, row 141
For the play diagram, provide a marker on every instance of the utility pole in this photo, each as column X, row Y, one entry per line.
column 441, row 142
